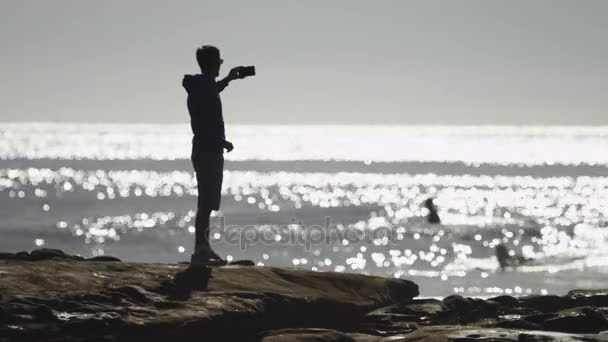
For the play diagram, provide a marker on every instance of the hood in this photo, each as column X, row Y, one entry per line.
column 193, row 82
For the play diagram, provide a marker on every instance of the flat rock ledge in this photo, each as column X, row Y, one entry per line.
column 47, row 295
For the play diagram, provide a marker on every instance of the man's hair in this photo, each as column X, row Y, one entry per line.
column 207, row 55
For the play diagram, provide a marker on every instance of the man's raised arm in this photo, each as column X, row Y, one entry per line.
column 234, row 74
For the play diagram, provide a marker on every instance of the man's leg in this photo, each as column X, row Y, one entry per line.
column 202, row 248
column 209, row 183
column 201, row 225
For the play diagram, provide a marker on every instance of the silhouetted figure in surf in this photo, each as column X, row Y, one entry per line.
column 209, row 142
column 432, row 217
column 505, row 259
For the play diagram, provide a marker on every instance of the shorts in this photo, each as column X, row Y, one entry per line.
column 209, row 169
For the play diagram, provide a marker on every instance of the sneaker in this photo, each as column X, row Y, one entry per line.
column 206, row 256
column 214, row 255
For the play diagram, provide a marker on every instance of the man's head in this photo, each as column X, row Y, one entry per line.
column 208, row 58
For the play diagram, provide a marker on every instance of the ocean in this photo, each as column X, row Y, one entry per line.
column 324, row 198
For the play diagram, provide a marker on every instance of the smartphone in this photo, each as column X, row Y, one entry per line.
column 248, row 71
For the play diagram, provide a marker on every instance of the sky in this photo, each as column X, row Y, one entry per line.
column 515, row 62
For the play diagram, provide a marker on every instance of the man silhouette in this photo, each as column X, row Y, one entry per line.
column 209, row 142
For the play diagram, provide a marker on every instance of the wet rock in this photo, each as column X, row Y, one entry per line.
column 103, row 258
column 425, row 307
column 132, row 293
column 306, row 335
column 4, row 256
column 60, row 298
column 357, row 337
column 390, row 329
column 458, row 303
column 591, row 300
column 539, row 318
column 16, row 311
column 242, row 263
column 580, row 320
column 422, row 311
column 47, row 253
column 393, row 313
column 463, row 333
column 110, row 300
column 518, row 324
column 389, row 321
column 470, row 309
column 549, row 303
column 507, row 301
column 518, row 310
column 590, row 292
column 39, row 254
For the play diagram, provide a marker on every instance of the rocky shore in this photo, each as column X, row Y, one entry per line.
column 46, row 295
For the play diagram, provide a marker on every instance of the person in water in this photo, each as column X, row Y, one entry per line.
column 209, row 141
column 433, row 216
column 505, row 259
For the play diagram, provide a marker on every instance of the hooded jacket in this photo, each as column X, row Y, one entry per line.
column 205, row 108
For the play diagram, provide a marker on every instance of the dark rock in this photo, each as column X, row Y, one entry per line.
column 103, row 258
column 21, row 255
column 38, row 255
column 469, row 334
column 576, row 324
column 518, row 310
column 549, row 303
column 5, row 256
column 518, row 324
column 369, row 289
column 47, row 253
column 133, row 293
column 43, row 313
column 364, row 337
column 458, row 303
column 592, row 300
column 167, row 304
column 505, row 301
column 401, row 290
column 580, row 320
column 423, row 311
column 425, row 307
column 389, row 321
column 391, row 329
column 89, row 326
column 584, row 292
column 393, row 313
column 57, row 298
column 539, row 318
column 242, row 263
column 306, row 335
column 470, row 309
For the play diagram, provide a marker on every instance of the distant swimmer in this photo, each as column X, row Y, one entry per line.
column 433, row 216
column 505, row 259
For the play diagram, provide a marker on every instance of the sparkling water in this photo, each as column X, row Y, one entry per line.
column 339, row 198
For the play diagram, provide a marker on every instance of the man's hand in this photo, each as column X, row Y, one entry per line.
column 235, row 73
column 228, row 146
